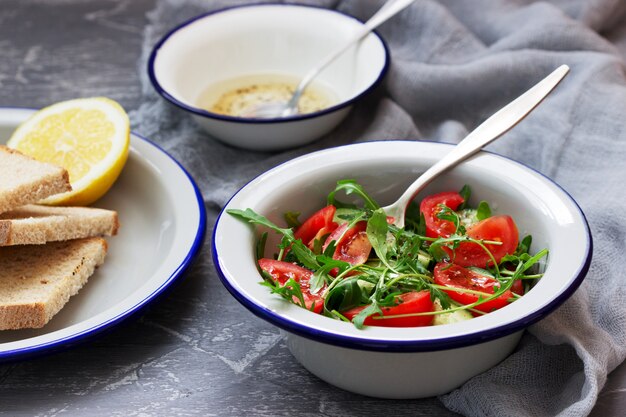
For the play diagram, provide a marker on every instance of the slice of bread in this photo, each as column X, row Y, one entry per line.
column 24, row 180
column 37, row 280
column 36, row 224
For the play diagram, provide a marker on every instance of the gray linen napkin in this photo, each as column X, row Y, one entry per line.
column 453, row 64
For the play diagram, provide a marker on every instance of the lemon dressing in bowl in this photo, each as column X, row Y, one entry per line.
column 236, row 96
column 251, row 40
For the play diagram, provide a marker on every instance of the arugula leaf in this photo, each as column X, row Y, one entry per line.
column 260, row 246
column 483, row 211
column 317, row 281
column 346, row 214
column 365, row 313
column 290, row 291
column 347, row 294
column 481, row 271
column 465, row 192
column 524, row 245
column 437, row 252
column 317, row 246
column 374, row 299
column 446, row 213
column 320, row 276
column 390, row 299
column 421, row 228
column 303, row 254
column 377, row 228
column 444, row 298
column 351, row 187
column 413, row 216
column 251, row 217
column 291, row 218
column 529, row 263
column 330, row 249
column 328, row 261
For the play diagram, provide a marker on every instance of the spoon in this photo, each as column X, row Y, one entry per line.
column 272, row 110
column 488, row 131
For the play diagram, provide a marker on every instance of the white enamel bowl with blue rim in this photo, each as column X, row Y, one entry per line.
column 404, row 362
column 266, row 39
column 163, row 222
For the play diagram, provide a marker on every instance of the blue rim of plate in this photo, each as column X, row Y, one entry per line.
column 406, row 346
column 87, row 334
column 200, row 112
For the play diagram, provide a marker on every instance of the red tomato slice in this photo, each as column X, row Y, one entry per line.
column 497, row 228
column 456, row 276
column 281, row 272
column 352, row 245
column 436, row 227
column 411, row 302
column 315, row 227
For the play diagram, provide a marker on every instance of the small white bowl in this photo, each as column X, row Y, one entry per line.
column 405, row 362
column 279, row 39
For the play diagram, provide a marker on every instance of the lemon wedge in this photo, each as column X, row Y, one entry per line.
column 89, row 137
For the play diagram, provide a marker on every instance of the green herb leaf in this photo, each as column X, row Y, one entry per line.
column 260, row 246
column 305, row 255
column 330, row 263
column 365, row 313
column 530, row 262
column 321, row 275
column 377, row 228
column 444, row 299
column 483, row 211
column 466, row 193
column 291, row 218
column 437, row 252
column 290, row 291
column 343, row 215
column 446, row 213
column 421, row 229
column 317, row 281
column 255, row 218
column 347, row 294
column 412, row 216
column 351, row 187
column 524, row 245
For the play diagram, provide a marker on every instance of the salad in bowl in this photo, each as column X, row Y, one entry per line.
column 350, row 262
column 400, row 313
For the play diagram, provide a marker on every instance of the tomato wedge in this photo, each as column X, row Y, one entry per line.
column 352, row 245
column 456, row 276
column 496, row 228
column 281, row 272
column 316, row 226
column 430, row 207
column 410, row 302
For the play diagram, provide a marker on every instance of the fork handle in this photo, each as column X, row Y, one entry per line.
column 389, row 9
column 488, row 131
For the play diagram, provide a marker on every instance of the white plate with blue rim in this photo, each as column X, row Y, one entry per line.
column 163, row 222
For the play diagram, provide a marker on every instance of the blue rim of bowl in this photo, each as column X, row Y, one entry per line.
column 411, row 345
column 89, row 333
column 200, row 112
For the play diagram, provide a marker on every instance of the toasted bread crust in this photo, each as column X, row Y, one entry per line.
column 5, row 232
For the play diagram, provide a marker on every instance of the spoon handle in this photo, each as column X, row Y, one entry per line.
column 389, row 9
column 488, row 131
